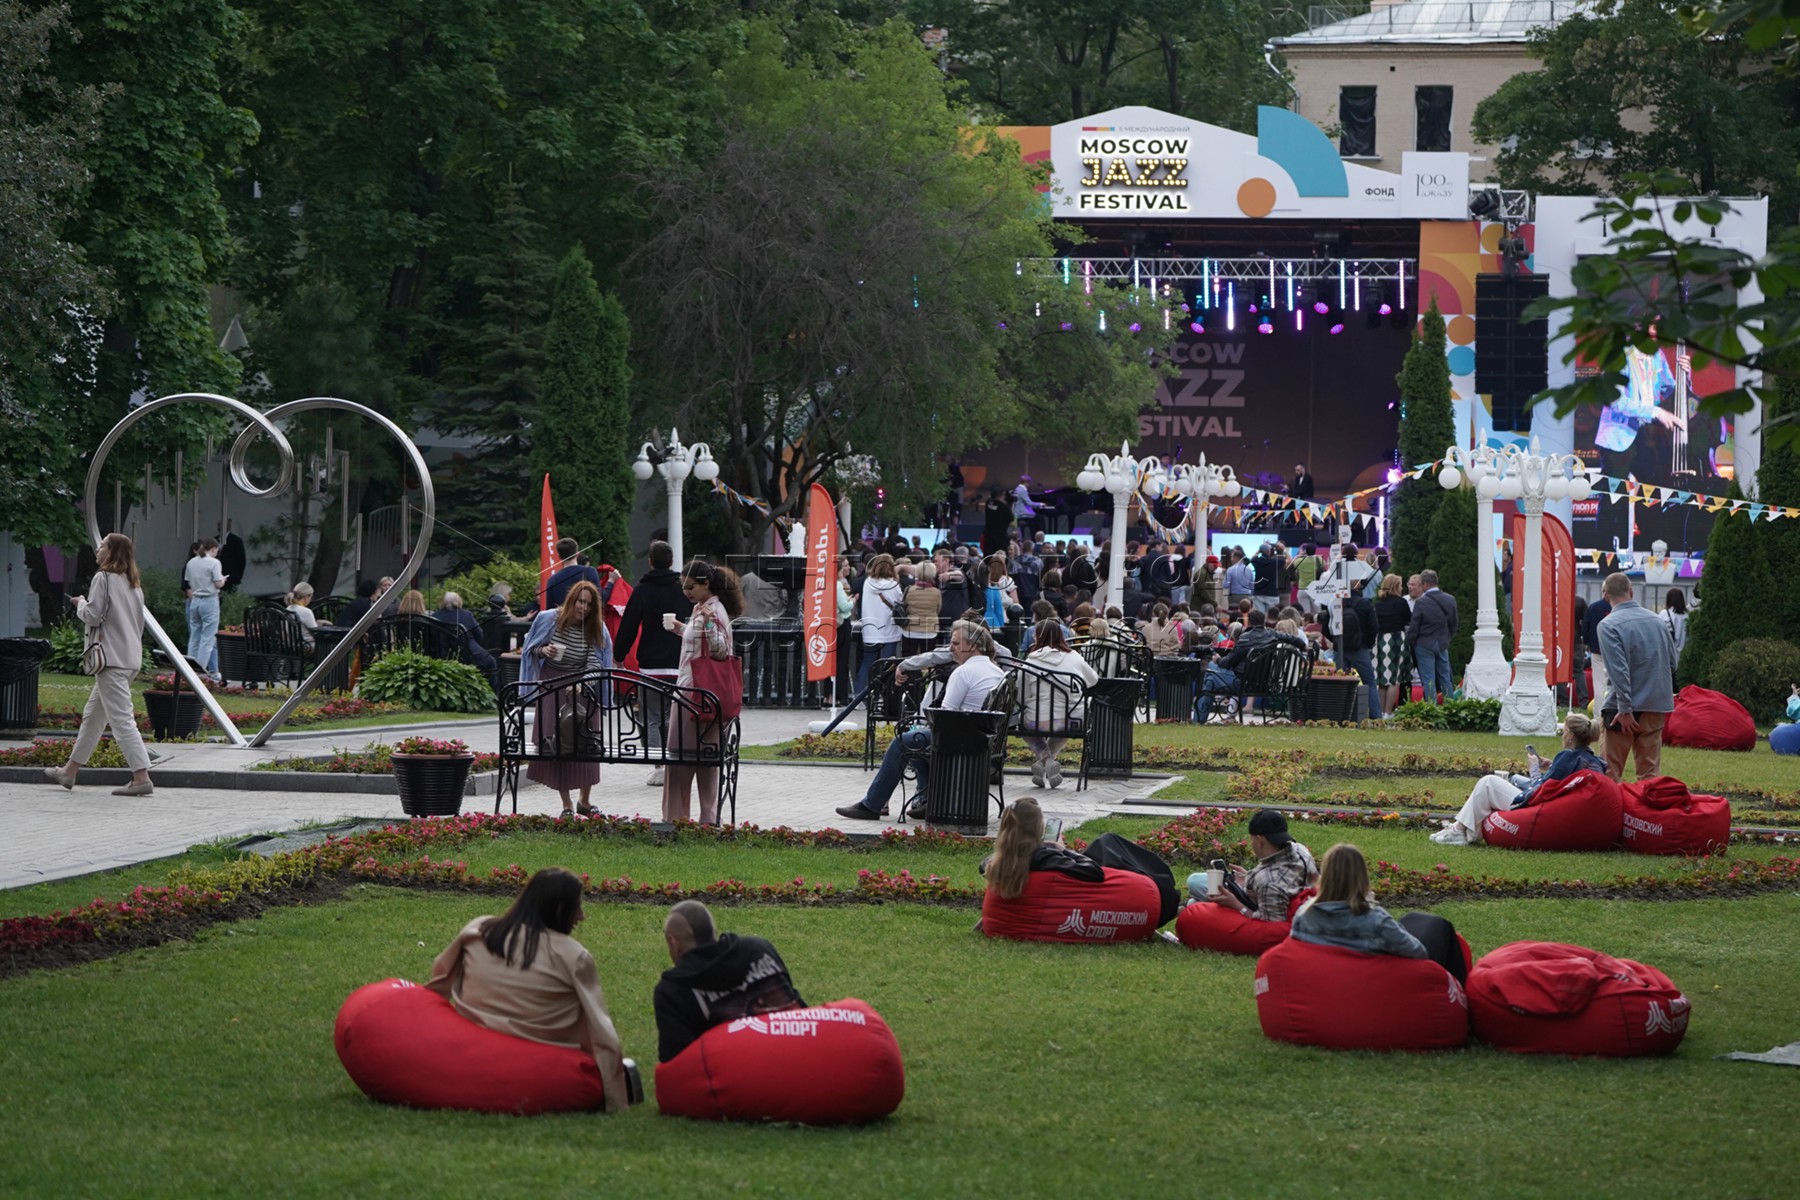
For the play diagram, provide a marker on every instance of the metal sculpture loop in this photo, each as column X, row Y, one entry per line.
column 263, row 424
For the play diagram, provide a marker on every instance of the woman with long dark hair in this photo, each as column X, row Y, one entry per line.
column 523, row 973
column 717, row 602
column 112, row 614
column 562, row 644
column 1020, row 849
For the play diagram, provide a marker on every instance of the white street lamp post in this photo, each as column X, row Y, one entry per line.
column 1200, row 482
column 1121, row 475
column 1488, row 673
column 1529, row 707
column 676, row 463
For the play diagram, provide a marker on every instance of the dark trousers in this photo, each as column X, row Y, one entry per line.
column 1438, row 936
column 1123, row 854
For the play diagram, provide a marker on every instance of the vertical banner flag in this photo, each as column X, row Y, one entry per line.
column 821, row 586
column 547, row 561
column 1556, row 593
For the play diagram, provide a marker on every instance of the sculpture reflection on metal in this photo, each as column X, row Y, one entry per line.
column 263, row 424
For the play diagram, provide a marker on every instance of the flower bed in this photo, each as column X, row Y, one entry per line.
column 338, row 709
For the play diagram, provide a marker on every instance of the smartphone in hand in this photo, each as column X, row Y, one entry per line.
column 1053, row 827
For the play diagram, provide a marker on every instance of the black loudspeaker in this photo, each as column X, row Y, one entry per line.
column 1511, row 357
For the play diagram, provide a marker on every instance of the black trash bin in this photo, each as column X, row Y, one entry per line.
column 1107, row 750
column 1177, row 679
column 21, row 659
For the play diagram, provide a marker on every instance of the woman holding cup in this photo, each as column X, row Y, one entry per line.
column 714, row 593
column 562, row 644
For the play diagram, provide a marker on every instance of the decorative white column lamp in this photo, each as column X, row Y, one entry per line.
column 1121, row 475
column 1488, row 673
column 1200, row 482
column 676, row 462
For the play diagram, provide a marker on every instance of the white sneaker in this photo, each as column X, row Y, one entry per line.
column 1053, row 773
column 1452, row 834
column 656, row 778
column 1037, row 772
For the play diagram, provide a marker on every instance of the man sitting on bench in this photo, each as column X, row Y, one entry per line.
column 717, row 977
column 1222, row 675
column 975, row 677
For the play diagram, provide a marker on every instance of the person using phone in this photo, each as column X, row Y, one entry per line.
column 204, row 579
column 1023, row 846
column 1284, row 868
column 1493, row 793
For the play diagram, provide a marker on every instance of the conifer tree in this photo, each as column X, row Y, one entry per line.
column 1426, row 428
column 1778, row 482
column 1735, row 591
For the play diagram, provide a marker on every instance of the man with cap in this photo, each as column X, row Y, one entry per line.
column 1284, row 868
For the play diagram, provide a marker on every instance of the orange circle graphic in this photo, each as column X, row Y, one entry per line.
column 1256, row 197
column 1461, row 330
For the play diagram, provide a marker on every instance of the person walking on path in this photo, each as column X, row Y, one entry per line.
column 113, row 614
column 1640, row 694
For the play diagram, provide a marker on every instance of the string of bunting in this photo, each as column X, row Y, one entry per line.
column 721, row 488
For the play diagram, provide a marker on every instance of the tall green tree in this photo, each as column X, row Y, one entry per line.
column 1778, row 482
column 580, row 434
column 1456, row 556
column 1427, row 427
column 1629, row 89
column 885, row 316
column 1734, row 591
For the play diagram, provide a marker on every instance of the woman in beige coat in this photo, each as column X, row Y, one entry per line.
column 524, row 974
column 113, row 614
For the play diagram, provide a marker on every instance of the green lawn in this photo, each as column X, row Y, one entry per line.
column 206, row 1067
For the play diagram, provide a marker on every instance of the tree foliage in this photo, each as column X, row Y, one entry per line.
column 887, row 314
column 1455, row 556
column 581, row 436
column 1427, row 427
column 1778, row 482
column 1629, row 89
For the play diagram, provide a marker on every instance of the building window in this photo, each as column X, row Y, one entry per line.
column 1356, row 122
column 1431, row 118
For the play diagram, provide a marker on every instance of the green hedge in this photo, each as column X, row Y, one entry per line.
column 427, row 684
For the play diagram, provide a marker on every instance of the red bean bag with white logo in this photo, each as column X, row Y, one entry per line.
column 1057, row 908
column 1582, row 812
column 1204, row 926
column 1709, row 721
column 834, row 1064
column 1548, row 998
column 1343, row 999
column 1663, row 817
column 404, row 1044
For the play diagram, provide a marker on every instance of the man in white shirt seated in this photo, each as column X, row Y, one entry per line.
column 975, row 678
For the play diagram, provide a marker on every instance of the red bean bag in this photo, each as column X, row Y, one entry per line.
column 1663, row 817
column 1582, row 812
column 1204, row 926
column 834, row 1064
column 403, row 1044
column 1548, row 998
column 1709, row 721
column 1056, row 908
column 1342, row 999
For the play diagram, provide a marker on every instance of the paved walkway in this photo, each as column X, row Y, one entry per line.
column 54, row 834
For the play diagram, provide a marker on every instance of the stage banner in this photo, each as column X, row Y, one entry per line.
column 1557, row 592
column 547, row 560
column 821, row 586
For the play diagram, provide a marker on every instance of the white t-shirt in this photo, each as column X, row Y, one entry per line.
column 971, row 684
column 203, row 576
column 880, row 602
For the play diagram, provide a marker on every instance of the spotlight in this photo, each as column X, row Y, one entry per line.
column 1253, row 308
column 1135, row 327
column 1067, row 325
column 1385, row 308
column 1265, row 325
column 1197, row 327
column 1337, row 328
column 1484, row 204
column 1320, row 307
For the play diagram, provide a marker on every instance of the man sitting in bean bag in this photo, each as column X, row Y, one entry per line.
column 716, row 978
column 1284, row 868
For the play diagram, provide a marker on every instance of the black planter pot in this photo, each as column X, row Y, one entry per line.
column 169, row 719
column 234, row 664
column 1331, row 699
column 431, row 785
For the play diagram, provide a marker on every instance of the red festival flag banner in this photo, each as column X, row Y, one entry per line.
column 821, row 586
column 1556, row 593
column 547, row 560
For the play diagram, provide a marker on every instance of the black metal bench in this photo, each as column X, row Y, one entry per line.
column 613, row 732
column 1277, row 672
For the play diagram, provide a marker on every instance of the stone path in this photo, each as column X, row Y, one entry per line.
column 55, row 834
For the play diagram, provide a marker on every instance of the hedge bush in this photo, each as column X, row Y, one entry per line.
column 1469, row 716
column 474, row 584
column 427, row 684
column 66, row 642
column 1757, row 673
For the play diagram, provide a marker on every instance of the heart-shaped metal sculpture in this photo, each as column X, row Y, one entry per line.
column 262, row 424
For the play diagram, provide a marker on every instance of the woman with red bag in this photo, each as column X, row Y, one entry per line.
column 706, row 634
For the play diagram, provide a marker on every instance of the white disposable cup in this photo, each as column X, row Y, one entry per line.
column 1215, row 882
column 669, row 622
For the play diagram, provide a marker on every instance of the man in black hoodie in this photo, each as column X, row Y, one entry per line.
column 717, row 977
column 658, row 649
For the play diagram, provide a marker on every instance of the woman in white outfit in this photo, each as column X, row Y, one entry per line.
column 1499, row 791
column 1049, row 707
column 113, row 613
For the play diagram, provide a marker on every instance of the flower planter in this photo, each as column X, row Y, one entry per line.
column 234, row 662
column 173, row 714
column 431, row 785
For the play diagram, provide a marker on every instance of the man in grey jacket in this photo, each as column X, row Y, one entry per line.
column 1433, row 625
column 1638, row 652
